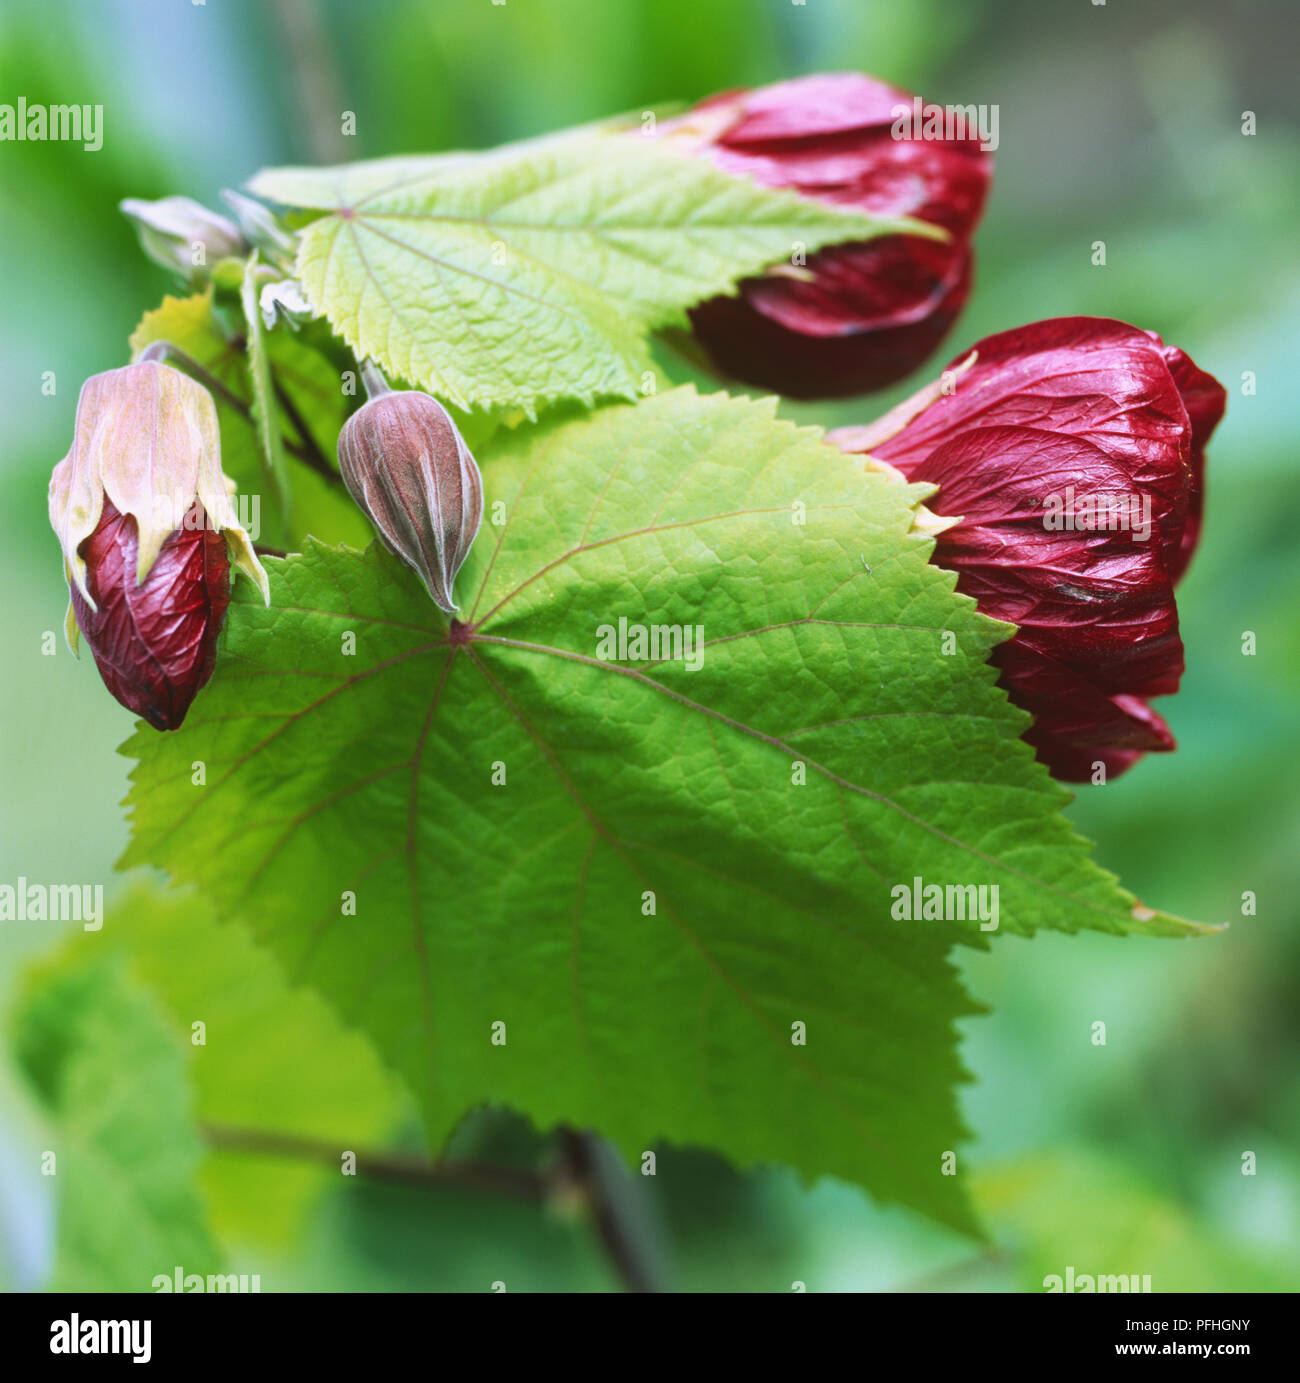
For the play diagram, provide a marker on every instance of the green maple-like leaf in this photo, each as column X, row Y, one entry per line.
column 112, row 1080
column 652, row 876
column 533, row 274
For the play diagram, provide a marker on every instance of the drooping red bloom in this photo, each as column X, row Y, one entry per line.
column 858, row 316
column 1074, row 452
column 155, row 643
column 144, row 514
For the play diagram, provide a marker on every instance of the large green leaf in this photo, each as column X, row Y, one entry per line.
column 112, row 1080
column 829, row 642
column 533, row 274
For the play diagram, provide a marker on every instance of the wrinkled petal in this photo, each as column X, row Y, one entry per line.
column 846, row 153
column 875, row 286
column 806, row 342
column 154, row 642
column 1096, row 379
column 1205, row 400
column 864, row 315
column 1070, row 452
column 1099, row 600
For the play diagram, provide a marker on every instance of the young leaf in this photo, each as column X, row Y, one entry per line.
column 533, row 274
column 670, row 880
column 113, row 1082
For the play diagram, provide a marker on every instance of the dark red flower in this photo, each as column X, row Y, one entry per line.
column 155, row 643
column 148, row 528
column 865, row 314
column 1073, row 450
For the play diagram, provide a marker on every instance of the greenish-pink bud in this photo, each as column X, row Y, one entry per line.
column 183, row 235
column 407, row 466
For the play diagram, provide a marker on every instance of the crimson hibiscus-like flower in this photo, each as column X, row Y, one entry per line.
column 858, row 316
column 155, row 642
column 143, row 512
column 1073, row 451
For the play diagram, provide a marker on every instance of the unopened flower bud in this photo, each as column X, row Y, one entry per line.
column 183, row 235
column 144, row 515
column 407, row 466
column 261, row 227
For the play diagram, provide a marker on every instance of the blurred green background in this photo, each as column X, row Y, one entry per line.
column 1119, row 122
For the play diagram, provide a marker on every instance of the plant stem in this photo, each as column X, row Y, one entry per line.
column 165, row 350
column 391, row 1167
column 583, row 1162
column 306, row 451
column 582, row 1167
column 373, row 378
column 309, row 452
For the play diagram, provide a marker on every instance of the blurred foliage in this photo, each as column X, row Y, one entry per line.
column 270, row 1055
column 121, row 1140
column 1119, row 123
